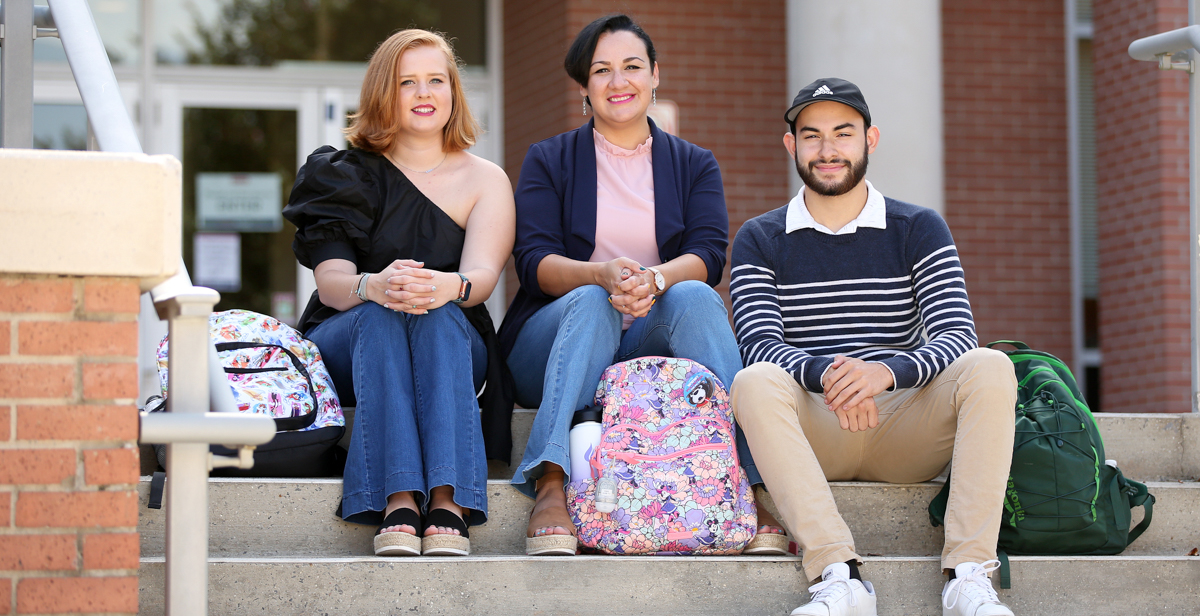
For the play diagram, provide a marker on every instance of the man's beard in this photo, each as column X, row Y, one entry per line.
column 858, row 170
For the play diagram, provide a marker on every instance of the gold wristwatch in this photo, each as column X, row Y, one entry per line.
column 659, row 281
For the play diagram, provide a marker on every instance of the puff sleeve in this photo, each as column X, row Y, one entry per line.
column 333, row 204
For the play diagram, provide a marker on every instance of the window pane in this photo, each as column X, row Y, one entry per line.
column 266, row 32
column 1087, row 194
column 59, row 127
column 119, row 24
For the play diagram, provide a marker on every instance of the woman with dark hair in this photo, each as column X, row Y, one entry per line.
column 407, row 234
column 621, row 234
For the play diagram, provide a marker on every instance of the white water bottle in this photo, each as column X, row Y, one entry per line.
column 585, row 437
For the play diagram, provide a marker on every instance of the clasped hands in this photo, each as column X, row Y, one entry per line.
column 630, row 286
column 850, row 389
column 406, row 286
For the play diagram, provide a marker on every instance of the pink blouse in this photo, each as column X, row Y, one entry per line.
column 624, row 205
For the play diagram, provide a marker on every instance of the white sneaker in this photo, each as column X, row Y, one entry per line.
column 970, row 593
column 838, row 595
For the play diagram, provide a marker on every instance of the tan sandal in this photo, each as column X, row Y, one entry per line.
column 547, row 544
column 767, row 544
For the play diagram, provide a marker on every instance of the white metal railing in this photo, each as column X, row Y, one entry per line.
column 1177, row 50
column 196, row 381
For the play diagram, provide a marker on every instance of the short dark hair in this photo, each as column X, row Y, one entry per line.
column 579, row 57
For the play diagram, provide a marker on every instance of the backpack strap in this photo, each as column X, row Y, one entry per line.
column 283, row 424
column 937, row 506
column 1015, row 343
column 1139, row 495
column 156, row 490
column 1005, row 570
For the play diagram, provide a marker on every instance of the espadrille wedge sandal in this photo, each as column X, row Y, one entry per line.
column 397, row 543
column 444, row 544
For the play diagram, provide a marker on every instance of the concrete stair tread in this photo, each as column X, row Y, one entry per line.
column 1093, row 585
column 1148, row 446
column 246, row 516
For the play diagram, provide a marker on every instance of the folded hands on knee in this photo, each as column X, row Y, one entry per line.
column 850, row 389
column 629, row 285
column 411, row 288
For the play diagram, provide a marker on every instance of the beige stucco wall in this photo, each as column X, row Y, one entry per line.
column 90, row 214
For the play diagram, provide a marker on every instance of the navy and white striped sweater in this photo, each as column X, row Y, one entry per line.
column 895, row 295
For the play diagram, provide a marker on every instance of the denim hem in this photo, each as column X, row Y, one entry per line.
column 528, row 484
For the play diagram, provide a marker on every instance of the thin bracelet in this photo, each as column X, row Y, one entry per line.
column 359, row 289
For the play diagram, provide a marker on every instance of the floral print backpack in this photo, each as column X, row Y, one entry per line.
column 667, row 440
column 272, row 370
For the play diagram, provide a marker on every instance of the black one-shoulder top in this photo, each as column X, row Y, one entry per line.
column 355, row 205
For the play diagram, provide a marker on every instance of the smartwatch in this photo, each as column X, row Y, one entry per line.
column 659, row 281
column 464, row 292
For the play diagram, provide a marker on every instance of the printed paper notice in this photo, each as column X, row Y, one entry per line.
column 217, row 261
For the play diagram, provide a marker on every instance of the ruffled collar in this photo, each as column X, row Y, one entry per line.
column 615, row 150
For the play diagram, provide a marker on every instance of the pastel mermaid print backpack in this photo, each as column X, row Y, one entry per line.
column 666, row 463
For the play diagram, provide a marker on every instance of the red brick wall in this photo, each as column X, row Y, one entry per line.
column 68, row 459
column 1007, row 182
column 1142, row 201
column 724, row 65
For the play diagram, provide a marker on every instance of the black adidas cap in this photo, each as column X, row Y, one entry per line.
column 831, row 89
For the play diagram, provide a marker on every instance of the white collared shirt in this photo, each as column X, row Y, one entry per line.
column 873, row 215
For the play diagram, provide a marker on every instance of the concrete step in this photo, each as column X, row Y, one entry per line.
column 289, row 517
column 1148, row 447
column 612, row 586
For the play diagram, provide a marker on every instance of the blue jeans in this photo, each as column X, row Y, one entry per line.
column 416, row 421
column 563, row 349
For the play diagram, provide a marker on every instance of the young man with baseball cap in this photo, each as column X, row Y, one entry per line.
column 853, row 321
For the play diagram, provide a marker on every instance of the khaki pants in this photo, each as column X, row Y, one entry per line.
column 963, row 416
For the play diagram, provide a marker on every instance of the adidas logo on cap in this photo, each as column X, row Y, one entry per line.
column 823, row 90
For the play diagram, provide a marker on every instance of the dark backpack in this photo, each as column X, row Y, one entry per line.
column 1063, row 496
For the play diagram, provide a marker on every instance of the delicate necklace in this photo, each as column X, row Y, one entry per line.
column 431, row 170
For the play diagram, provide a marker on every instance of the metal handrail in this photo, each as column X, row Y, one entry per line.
column 196, row 381
column 1162, row 48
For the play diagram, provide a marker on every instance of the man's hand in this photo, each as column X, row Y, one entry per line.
column 849, row 383
column 860, row 417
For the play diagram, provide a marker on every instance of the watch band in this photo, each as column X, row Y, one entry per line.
column 660, row 283
column 464, row 291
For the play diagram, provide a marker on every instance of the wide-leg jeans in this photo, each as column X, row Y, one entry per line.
column 563, row 349
column 412, row 379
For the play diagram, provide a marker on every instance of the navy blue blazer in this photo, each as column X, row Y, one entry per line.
column 556, row 211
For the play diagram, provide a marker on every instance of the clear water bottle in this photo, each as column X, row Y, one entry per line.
column 606, row 492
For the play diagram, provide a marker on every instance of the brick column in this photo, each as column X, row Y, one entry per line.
column 68, row 455
column 1142, row 212
column 1007, row 182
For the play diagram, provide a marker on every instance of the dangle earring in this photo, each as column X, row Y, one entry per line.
column 585, row 105
column 654, row 97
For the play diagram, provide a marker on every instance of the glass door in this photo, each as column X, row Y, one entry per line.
column 238, row 168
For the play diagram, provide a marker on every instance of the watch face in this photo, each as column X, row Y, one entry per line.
column 659, row 281
column 466, row 292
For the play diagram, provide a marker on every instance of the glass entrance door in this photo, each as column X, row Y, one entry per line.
column 238, row 167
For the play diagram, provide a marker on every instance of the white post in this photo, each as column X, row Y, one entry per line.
column 187, row 463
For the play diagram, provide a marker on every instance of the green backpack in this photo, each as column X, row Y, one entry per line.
column 1063, row 497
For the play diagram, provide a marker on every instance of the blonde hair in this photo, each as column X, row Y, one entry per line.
column 374, row 127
